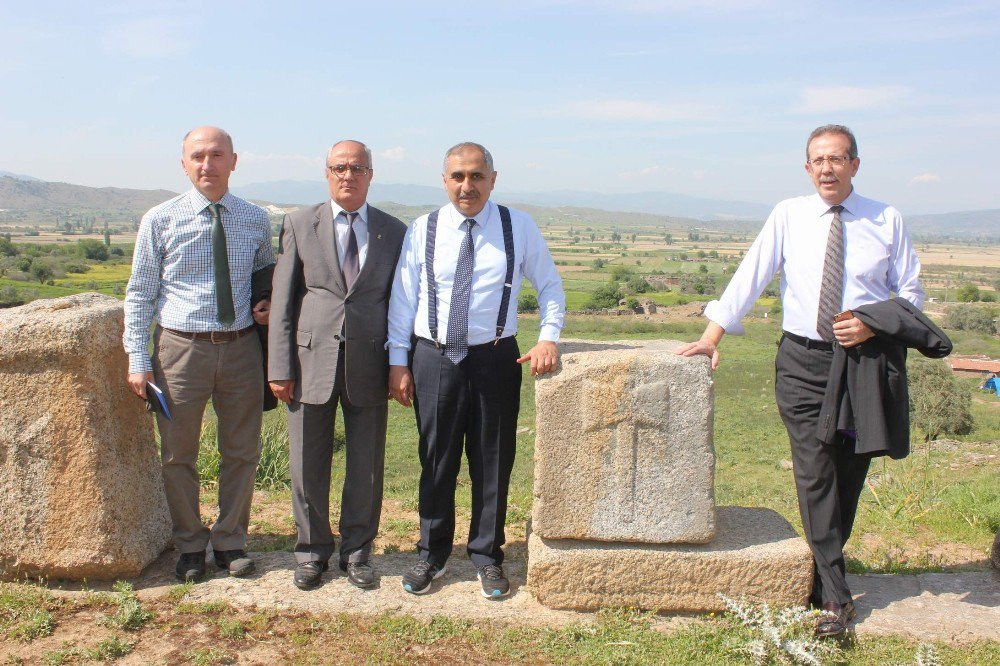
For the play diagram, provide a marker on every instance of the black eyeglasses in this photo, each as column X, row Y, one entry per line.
column 342, row 169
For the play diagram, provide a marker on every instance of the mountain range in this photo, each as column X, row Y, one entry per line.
column 655, row 203
column 24, row 199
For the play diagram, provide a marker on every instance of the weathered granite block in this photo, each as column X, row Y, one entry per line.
column 757, row 555
column 81, row 492
column 623, row 450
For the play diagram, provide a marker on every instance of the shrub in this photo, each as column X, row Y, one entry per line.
column 606, row 296
column 968, row 293
column 971, row 318
column 527, row 302
column 939, row 404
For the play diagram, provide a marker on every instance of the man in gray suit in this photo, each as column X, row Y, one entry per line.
column 327, row 338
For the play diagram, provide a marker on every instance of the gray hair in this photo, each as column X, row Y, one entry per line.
column 465, row 145
column 224, row 133
column 834, row 129
column 368, row 151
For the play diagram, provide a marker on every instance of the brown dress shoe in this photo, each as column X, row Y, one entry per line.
column 836, row 626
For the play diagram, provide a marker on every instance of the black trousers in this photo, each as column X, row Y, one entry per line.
column 471, row 406
column 828, row 479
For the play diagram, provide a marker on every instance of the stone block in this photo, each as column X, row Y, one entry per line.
column 757, row 555
column 623, row 445
column 81, row 492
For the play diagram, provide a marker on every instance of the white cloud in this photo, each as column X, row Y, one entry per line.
column 395, row 154
column 848, row 98
column 145, row 38
column 532, row 165
column 926, row 178
column 652, row 170
column 631, row 110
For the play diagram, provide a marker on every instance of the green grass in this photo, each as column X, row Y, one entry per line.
column 25, row 612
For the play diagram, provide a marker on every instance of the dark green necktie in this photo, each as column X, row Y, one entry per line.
column 223, row 287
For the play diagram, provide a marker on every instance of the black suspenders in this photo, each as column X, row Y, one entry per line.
column 508, row 246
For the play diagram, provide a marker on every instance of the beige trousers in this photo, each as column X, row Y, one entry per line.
column 190, row 372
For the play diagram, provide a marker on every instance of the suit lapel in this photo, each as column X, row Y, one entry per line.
column 323, row 227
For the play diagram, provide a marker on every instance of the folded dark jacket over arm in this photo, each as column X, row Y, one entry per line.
column 866, row 391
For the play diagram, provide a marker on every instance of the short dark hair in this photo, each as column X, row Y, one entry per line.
column 834, row 129
column 459, row 147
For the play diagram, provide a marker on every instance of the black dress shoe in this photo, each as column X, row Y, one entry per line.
column 360, row 574
column 836, row 626
column 309, row 575
column 191, row 567
column 235, row 561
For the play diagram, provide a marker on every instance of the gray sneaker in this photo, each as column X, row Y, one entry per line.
column 494, row 582
column 418, row 579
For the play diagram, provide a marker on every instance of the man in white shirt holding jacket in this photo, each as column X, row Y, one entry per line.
column 452, row 321
column 835, row 250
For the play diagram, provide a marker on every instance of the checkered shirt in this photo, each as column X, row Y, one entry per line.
column 173, row 275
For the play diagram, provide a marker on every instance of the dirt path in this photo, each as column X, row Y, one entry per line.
column 952, row 607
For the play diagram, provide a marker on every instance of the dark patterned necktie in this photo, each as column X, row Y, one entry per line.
column 352, row 263
column 220, row 259
column 831, row 292
column 457, row 342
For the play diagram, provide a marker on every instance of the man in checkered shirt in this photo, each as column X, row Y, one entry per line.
column 202, row 347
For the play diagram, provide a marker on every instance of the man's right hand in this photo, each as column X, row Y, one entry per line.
column 401, row 385
column 707, row 345
column 283, row 389
column 137, row 382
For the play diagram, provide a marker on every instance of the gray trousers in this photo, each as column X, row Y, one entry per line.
column 190, row 372
column 828, row 478
column 310, row 438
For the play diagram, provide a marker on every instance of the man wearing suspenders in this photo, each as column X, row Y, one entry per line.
column 453, row 355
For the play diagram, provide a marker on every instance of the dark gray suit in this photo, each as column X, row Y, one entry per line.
column 331, row 341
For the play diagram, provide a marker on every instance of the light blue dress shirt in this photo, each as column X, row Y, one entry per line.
column 408, row 304
column 879, row 260
column 173, row 273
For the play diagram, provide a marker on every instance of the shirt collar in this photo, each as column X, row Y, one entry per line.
column 481, row 218
column 850, row 204
column 337, row 210
column 200, row 202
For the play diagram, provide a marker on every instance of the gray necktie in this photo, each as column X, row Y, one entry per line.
column 352, row 263
column 458, row 313
column 831, row 292
column 220, row 259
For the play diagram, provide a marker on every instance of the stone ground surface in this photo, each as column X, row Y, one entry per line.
column 951, row 607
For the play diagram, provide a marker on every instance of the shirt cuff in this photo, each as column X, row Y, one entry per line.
column 549, row 332
column 139, row 362
column 729, row 322
column 399, row 356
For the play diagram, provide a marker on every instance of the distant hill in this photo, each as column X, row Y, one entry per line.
column 970, row 224
column 655, row 203
column 17, row 194
column 17, row 175
column 24, row 201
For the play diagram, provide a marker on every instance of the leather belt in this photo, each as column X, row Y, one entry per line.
column 215, row 337
column 441, row 346
column 808, row 343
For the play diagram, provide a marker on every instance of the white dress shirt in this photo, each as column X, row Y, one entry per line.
column 408, row 304
column 878, row 256
column 341, row 229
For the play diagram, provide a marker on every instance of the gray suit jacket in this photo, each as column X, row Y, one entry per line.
column 310, row 307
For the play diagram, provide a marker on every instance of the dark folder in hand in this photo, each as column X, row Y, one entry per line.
column 155, row 402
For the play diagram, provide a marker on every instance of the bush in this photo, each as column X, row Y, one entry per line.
column 968, row 293
column 939, row 404
column 606, row 296
column 93, row 249
column 971, row 318
column 637, row 285
column 527, row 303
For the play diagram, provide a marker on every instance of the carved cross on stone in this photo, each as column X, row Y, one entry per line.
column 629, row 409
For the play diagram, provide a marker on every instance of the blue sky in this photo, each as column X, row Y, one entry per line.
column 708, row 99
